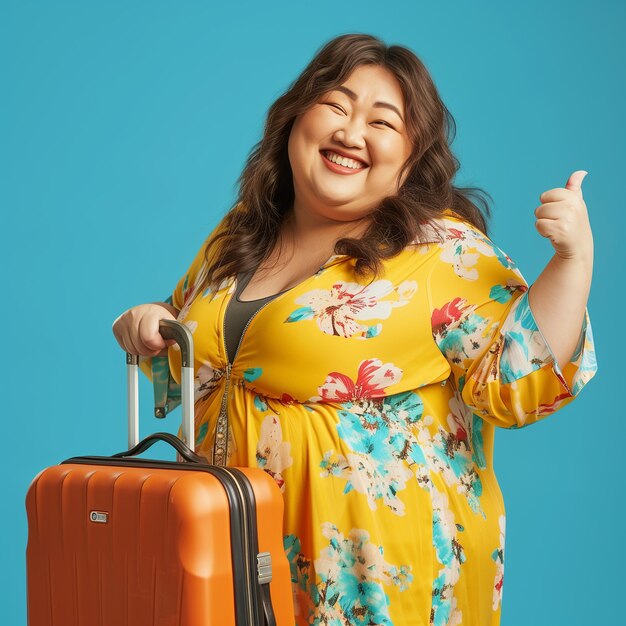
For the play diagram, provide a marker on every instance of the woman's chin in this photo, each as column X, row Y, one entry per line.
column 339, row 206
column 334, row 195
column 338, row 211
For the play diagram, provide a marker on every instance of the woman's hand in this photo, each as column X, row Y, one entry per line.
column 562, row 217
column 137, row 329
column 558, row 298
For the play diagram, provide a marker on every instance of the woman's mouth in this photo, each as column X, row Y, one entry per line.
column 351, row 167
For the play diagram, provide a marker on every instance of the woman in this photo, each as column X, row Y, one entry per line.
column 359, row 337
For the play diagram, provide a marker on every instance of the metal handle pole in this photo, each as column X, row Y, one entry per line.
column 132, row 367
column 169, row 329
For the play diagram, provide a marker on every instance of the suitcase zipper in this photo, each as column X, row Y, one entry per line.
column 260, row 568
column 220, row 445
column 246, row 545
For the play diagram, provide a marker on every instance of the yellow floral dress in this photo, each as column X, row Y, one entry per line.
column 373, row 404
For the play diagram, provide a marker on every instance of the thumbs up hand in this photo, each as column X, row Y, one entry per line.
column 558, row 298
column 562, row 217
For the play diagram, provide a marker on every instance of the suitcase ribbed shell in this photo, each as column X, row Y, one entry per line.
column 137, row 546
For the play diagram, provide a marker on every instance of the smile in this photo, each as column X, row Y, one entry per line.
column 338, row 168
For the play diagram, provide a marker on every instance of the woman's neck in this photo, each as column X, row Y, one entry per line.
column 306, row 231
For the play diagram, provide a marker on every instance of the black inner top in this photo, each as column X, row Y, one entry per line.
column 240, row 312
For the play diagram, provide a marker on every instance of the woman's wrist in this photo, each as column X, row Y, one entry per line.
column 168, row 307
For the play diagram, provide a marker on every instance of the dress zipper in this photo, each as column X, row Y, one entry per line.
column 220, row 446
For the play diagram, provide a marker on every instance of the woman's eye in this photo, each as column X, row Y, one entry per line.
column 336, row 106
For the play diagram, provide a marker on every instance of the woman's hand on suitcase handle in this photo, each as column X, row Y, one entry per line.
column 137, row 329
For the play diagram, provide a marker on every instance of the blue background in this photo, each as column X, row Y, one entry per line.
column 124, row 128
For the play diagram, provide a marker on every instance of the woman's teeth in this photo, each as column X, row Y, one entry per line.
column 351, row 163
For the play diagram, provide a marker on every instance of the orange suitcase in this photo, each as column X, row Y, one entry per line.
column 128, row 541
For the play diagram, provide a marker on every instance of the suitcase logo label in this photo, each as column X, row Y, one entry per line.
column 101, row 517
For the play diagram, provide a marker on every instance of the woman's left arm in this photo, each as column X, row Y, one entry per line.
column 558, row 298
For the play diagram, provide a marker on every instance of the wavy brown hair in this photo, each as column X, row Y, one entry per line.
column 250, row 229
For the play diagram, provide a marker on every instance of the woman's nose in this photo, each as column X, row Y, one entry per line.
column 350, row 133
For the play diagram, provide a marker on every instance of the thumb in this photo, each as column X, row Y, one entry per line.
column 575, row 180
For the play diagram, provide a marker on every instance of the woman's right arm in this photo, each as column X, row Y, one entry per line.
column 137, row 329
column 137, row 332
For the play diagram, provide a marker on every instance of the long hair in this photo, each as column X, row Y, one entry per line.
column 249, row 231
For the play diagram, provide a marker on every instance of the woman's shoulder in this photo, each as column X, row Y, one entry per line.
column 465, row 247
column 452, row 238
column 450, row 226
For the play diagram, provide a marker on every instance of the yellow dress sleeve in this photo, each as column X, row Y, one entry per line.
column 483, row 325
column 167, row 391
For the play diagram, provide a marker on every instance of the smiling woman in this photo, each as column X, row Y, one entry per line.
column 360, row 99
column 359, row 337
column 346, row 122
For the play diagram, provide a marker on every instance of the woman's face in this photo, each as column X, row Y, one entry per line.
column 363, row 119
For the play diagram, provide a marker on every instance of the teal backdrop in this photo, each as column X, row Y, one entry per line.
column 124, row 126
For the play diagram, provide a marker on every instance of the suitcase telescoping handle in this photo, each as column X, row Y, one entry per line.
column 169, row 329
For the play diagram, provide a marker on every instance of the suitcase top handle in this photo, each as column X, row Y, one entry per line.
column 169, row 329
column 172, row 440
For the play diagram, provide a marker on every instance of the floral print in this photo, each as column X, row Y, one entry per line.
column 455, row 453
column 352, row 578
column 373, row 405
column 339, row 309
column 498, row 557
column 468, row 245
column 372, row 379
column 377, row 433
column 272, row 452
column 450, row 554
